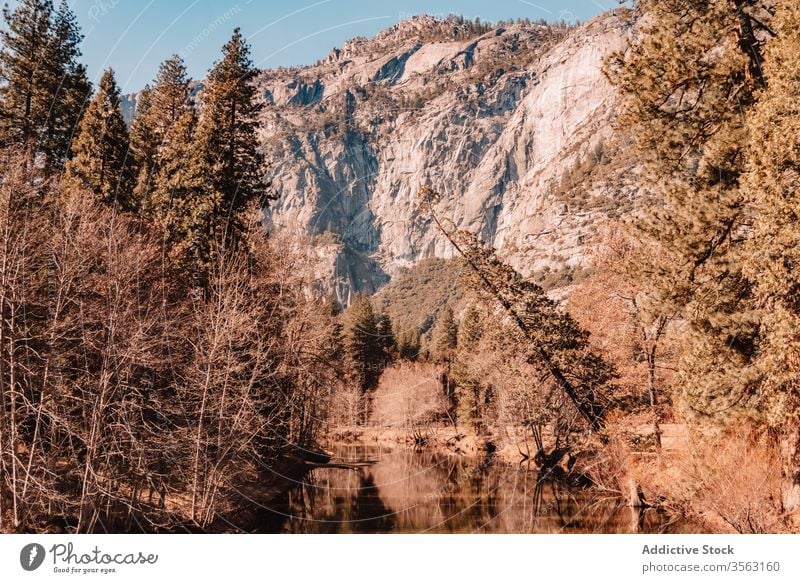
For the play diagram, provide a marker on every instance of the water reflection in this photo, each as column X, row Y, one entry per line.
column 405, row 491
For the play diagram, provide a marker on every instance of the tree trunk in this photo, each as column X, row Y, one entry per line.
column 790, row 449
column 651, row 377
column 749, row 44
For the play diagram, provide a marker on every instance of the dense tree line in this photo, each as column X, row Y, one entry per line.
column 155, row 350
column 711, row 96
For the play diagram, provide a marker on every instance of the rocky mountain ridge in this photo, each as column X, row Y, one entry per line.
column 512, row 124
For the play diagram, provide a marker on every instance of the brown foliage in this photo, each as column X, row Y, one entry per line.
column 626, row 326
column 729, row 481
column 129, row 399
column 409, row 396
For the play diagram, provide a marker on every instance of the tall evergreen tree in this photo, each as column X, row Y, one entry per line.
column 68, row 86
column 75, row 97
column 145, row 145
column 689, row 78
column 444, row 336
column 334, row 345
column 388, row 341
column 470, row 330
column 773, row 249
column 469, row 391
column 226, row 145
column 409, row 344
column 363, row 343
column 208, row 169
column 179, row 203
column 158, row 109
column 170, row 93
column 25, row 78
column 43, row 89
column 101, row 161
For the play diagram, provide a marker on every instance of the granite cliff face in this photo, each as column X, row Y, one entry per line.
column 512, row 125
column 507, row 125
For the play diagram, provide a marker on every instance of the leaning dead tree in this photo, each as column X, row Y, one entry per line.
column 556, row 342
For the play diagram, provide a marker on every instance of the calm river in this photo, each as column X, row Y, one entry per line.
column 406, row 491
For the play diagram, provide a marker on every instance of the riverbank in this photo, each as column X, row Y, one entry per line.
column 721, row 483
column 510, row 444
column 390, row 479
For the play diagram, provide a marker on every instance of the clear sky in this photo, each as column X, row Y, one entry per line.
column 134, row 36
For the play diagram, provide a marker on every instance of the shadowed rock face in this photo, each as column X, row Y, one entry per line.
column 504, row 123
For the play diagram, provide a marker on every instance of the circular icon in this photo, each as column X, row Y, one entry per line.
column 31, row 556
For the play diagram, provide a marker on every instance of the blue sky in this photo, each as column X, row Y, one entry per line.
column 134, row 36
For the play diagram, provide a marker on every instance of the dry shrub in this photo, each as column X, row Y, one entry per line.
column 609, row 468
column 82, row 356
column 729, row 481
column 346, row 407
column 258, row 381
column 409, row 395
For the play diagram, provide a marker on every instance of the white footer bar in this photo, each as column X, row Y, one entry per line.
column 388, row 558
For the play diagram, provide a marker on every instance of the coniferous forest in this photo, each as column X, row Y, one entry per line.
column 170, row 362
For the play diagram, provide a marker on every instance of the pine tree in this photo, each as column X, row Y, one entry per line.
column 556, row 344
column 145, row 146
column 470, row 330
column 75, row 96
column 689, row 78
column 363, row 343
column 387, row 340
column 158, row 109
column 69, row 88
column 335, row 349
column 170, row 93
column 101, row 161
column 409, row 345
column 226, row 145
column 44, row 89
column 207, row 169
column 25, row 79
column 469, row 392
column 445, row 336
column 180, row 203
column 773, row 250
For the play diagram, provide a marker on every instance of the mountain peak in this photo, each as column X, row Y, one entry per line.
column 419, row 28
column 511, row 124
